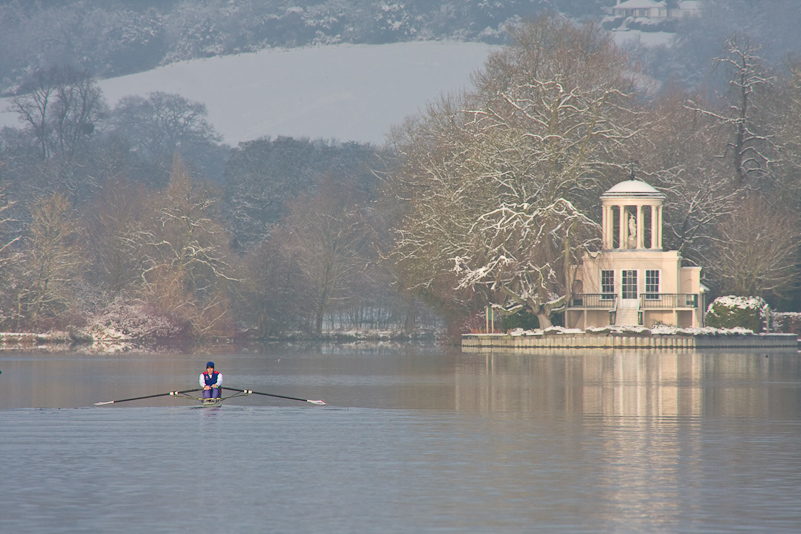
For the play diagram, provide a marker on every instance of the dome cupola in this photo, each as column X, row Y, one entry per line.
column 632, row 216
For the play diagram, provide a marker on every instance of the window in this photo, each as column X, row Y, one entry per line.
column 652, row 285
column 629, row 285
column 607, row 285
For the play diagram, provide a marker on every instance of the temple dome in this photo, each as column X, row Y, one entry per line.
column 633, row 189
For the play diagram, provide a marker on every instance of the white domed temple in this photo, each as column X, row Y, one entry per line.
column 632, row 281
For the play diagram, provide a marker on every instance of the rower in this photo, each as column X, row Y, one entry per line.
column 211, row 382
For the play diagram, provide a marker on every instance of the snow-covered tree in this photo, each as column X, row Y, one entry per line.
column 7, row 236
column 9, row 257
column 749, row 143
column 676, row 153
column 53, row 259
column 186, row 256
column 497, row 182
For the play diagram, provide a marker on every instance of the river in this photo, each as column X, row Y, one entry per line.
column 413, row 439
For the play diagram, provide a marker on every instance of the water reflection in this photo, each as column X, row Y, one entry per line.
column 627, row 383
column 621, row 383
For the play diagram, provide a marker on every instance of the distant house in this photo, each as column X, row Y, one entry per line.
column 656, row 10
column 632, row 280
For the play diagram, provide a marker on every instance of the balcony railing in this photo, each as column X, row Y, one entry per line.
column 602, row 301
column 668, row 300
column 608, row 301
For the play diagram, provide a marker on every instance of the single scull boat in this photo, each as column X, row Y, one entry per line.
column 212, row 402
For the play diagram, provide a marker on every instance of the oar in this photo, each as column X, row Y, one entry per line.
column 251, row 392
column 147, row 396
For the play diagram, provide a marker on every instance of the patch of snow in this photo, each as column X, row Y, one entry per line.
column 702, row 331
column 638, row 330
column 562, row 330
column 628, row 329
column 731, row 301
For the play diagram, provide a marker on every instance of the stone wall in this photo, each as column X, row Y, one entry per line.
column 523, row 343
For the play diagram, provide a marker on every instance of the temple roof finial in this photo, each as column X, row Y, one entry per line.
column 632, row 166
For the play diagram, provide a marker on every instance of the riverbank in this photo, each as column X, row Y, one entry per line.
column 61, row 340
column 31, row 340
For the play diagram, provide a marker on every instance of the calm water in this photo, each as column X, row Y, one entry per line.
column 413, row 440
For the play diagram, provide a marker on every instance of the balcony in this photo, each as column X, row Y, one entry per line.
column 668, row 301
column 599, row 301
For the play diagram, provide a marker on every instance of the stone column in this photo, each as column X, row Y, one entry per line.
column 654, row 227
column 640, row 227
column 610, row 230
column 659, row 228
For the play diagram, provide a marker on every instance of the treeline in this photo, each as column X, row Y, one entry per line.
column 137, row 220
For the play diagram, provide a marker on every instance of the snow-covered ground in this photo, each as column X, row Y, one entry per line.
column 346, row 92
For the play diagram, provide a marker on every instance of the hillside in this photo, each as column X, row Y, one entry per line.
column 115, row 38
column 346, row 92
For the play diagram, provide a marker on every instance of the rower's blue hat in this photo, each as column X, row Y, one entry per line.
column 210, row 364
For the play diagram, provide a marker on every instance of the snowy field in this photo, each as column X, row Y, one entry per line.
column 344, row 92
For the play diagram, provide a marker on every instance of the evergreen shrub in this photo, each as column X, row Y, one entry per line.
column 731, row 312
column 522, row 319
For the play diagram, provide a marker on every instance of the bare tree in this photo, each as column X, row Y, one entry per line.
column 33, row 109
column 326, row 237
column 275, row 292
column 756, row 249
column 676, row 153
column 787, row 121
column 163, row 123
column 10, row 256
column 61, row 107
column 53, row 258
column 114, row 228
column 749, row 142
column 7, row 238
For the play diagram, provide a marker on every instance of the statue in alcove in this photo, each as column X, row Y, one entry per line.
column 632, row 232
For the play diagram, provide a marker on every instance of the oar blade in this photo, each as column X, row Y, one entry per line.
column 317, row 402
column 104, row 402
